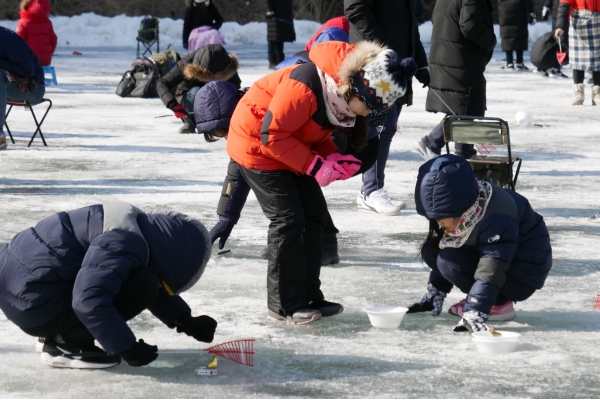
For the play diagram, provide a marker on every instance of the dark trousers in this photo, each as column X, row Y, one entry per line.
column 138, row 292
column 456, row 267
column 436, row 143
column 579, row 77
column 373, row 178
column 275, row 47
column 509, row 57
column 297, row 210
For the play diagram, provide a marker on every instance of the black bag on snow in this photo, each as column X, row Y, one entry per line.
column 151, row 65
column 126, row 85
column 543, row 52
column 140, row 81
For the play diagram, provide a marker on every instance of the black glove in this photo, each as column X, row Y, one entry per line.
column 423, row 76
column 532, row 18
column 432, row 301
column 270, row 15
column 201, row 328
column 221, row 230
column 473, row 321
column 140, row 354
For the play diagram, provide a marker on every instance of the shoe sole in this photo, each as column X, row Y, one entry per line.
column 366, row 208
column 64, row 362
column 271, row 316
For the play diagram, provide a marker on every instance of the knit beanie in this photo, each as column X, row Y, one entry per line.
column 381, row 82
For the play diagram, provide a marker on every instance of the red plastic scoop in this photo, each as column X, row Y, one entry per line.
column 560, row 55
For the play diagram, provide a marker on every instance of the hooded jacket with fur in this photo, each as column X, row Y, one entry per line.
column 207, row 64
column 281, row 122
column 36, row 29
column 80, row 259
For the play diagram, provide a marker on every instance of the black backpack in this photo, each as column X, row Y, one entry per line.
column 543, row 51
column 140, row 81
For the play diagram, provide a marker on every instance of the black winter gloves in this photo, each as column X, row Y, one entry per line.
column 473, row 321
column 423, row 76
column 140, row 354
column 432, row 301
column 201, row 328
column 221, row 230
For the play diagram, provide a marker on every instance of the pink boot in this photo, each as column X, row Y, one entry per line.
column 503, row 313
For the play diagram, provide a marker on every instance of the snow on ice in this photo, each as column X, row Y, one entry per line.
column 102, row 148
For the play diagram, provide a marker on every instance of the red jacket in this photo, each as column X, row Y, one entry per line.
column 590, row 5
column 337, row 22
column 281, row 122
column 36, row 30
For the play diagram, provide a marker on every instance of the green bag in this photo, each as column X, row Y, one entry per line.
column 498, row 174
column 166, row 60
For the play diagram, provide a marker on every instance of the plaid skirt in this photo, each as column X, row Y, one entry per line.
column 584, row 40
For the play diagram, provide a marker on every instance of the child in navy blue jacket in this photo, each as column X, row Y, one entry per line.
column 78, row 276
column 483, row 239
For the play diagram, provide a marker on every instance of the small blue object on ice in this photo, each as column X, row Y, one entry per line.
column 50, row 70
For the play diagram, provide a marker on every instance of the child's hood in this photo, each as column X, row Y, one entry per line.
column 35, row 9
column 446, row 187
column 211, row 63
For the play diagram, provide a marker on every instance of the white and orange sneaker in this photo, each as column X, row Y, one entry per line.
column 502, row 313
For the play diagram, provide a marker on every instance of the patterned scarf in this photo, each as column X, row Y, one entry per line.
column 338, row 111
column 25, row 84
column 469, row 219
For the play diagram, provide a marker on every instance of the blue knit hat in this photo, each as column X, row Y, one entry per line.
column 381, row 82
column 214, row 105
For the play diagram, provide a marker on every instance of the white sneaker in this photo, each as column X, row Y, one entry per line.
column 424, row 151
column 379, row 202
column 359, row 201
column 2, row 141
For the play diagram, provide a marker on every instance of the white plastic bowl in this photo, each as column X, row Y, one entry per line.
column 388, row 317
column 486, row 343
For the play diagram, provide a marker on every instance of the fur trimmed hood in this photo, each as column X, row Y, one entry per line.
column 211, row 63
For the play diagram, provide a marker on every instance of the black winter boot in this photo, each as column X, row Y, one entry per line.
column 272, row 60
column 280, row 57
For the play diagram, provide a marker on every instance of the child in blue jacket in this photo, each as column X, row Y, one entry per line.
column 485, row 240
column 78, row 276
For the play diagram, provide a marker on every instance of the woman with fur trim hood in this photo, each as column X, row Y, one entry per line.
column 209, row 63
column 78, row 276
column 36, row 29
column 485, row 240
column 280, row 135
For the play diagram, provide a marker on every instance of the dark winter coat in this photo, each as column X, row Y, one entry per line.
column 17, row 57
column 392, row 23
column 462, row 43
column 193, row 19
column 511, row 238
column 80, row 259
column 36, row 29
column 209, row 63
column 513, row 16
column 214, row 105
column 280, row 27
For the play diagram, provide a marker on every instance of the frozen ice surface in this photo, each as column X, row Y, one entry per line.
column 102, row 148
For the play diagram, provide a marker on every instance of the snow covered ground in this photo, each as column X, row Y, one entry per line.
column 102, row 148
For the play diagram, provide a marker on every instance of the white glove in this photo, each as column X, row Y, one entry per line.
column 473, row 321
column 545, row 11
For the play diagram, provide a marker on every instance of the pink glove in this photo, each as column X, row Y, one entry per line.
column 180, row 111
column 349, row 163
column 324, row 171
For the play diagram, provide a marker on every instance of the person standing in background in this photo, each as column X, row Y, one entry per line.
column 280, row 29
column 35, row 28
column 584, row 42
column 200, row 13
column 514, row 16
column 462, row 44
column 394, row 24
column 551, row 8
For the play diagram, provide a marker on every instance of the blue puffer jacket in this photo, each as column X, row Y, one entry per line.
column 511, row 238
column 81, row 258
column 17, row 57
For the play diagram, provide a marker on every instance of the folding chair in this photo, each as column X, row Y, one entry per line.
column 52, row 79
column 22, row 103
column 484, row 131
column 148, row 35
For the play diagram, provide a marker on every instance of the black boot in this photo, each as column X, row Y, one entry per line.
column 280, row 57
column 273, row 60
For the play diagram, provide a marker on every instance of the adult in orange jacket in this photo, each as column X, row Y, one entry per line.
column 280, row 135
column 584, row 43
column 35, row 28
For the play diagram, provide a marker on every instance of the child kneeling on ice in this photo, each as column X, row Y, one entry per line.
column 80, row 275
column 483, row 239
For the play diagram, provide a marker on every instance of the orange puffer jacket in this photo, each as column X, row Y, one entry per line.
column 281, row 122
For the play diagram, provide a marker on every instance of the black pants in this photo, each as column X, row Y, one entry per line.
column 509, row 57
column 297, row 210
column 579, row 76
column 138, row 292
